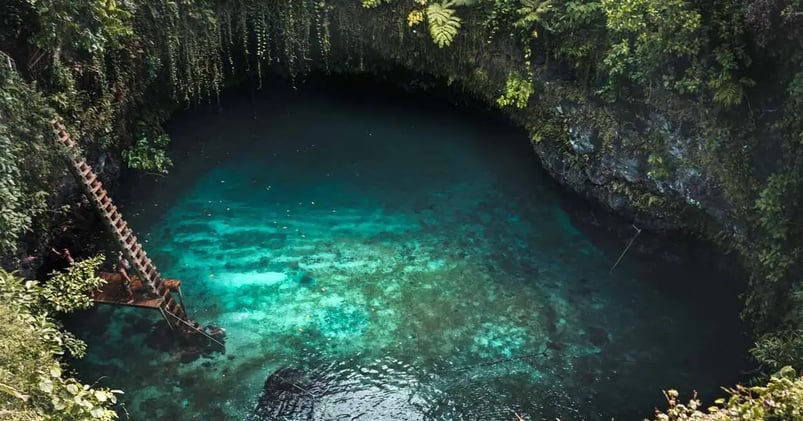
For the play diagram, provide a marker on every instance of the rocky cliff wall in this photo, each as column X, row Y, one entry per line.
column 644, row 162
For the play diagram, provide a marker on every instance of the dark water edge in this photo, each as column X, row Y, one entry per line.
column 682, row 271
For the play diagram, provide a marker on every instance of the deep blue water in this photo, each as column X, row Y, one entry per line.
column 407, row 260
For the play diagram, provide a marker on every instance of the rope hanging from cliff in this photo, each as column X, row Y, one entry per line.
column 630, row 243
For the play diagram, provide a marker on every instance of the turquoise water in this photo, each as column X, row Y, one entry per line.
column 400, row 261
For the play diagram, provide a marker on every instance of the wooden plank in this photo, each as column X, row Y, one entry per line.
column 114, row 292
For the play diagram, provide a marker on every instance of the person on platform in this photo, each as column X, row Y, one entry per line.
column 123, row 267
column 65, row 254
column 128, row 292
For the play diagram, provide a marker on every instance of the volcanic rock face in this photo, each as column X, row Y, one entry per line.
column 639, row 157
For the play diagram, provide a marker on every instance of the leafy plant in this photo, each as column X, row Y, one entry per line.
column 68, row 291
column 149, row 153
column 33, row 385
column 779, row 349
column 776, row 211
column 657, row 33
column 26, row 156
column 370, row 4
column 658, row 168
column 443, row 23
column 517, row 91
column 415, row 17
column 531, row 15
column 780, row 399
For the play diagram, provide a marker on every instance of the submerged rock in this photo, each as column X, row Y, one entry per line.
column 598, row 336
column 189, row 356
column 303, row 277
column 286, row 395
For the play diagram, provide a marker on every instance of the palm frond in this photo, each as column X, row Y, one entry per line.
column 443, row 23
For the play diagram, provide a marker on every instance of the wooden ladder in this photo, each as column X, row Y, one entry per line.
column 172, row 310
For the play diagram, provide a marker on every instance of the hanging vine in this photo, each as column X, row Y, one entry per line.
column 322, row 30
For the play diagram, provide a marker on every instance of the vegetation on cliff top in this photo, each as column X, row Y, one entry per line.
column 727, row 72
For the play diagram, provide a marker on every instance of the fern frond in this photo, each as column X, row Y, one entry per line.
column 443, row 23
column 727, row 91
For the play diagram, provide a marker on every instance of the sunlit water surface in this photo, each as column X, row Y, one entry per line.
column 397, row 261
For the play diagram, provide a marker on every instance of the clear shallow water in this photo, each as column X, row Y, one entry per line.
column 397, row 260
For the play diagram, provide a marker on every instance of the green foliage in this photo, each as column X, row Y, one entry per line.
column 443, row 23
column 91, row 25
column 373, row 3
column 26, row 156
column 149, row 154
column 658, row 168
column 531, row 15
column 33, row 385
column 793, row 118
column 69, row 291
column 517, row 92
column 64, row 292
column 649, row 35
column 780, row 399
column 775, row 212
column 779, row 349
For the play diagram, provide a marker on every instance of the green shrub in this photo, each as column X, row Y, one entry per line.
column 33, row 385
column 780, row 399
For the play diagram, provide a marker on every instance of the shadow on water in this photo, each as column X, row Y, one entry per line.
column 380, row 254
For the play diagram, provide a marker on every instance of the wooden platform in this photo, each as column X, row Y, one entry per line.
column 114, row 293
